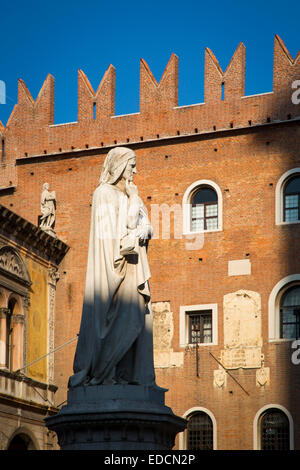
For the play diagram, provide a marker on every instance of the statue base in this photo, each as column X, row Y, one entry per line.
column 116, row 417
column 49, row 230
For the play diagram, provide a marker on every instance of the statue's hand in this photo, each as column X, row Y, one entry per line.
column 131, row 189
column 144, row 233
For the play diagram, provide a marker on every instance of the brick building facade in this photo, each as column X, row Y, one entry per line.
column 222, row 168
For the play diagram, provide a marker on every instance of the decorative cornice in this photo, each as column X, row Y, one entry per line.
column 28, row 380
column 30, row 236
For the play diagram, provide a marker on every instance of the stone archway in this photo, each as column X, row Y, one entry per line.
column 21, row 442
column 22, row 439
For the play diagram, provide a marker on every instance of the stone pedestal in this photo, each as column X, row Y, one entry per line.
column 49, row 230
column 116, row 417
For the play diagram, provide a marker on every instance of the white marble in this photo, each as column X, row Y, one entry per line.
column 115, row 343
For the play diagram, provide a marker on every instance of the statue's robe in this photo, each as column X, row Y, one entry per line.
column 115, row 343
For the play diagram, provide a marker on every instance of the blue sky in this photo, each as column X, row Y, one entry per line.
column 59, row 37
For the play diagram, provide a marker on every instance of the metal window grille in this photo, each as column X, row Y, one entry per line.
column 204, row 209
column 290, row 313
column 291, row 208
column 204, row 216
column 200, row 327
column 199, row 432
column 275, row 431
column 290, row 322
column 291, row 200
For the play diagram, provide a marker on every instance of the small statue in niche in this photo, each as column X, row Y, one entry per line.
column 48, row 206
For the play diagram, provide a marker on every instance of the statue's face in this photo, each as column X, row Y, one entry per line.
column 130, row 169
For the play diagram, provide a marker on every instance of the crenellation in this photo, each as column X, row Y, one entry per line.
column 161, row 96
column 40, row 111
column 31, row 130
column 103, row 100
column 232, row 80
column 285, row 69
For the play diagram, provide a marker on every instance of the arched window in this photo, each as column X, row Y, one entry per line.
column 199, row 432
column 274, row 430
column 291, row 200
column 287, row 198
column 284, row 309
column 204, row 214
column 202, row 207
column 290, row 313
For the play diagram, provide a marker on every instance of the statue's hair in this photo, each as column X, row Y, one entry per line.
column 115, row 164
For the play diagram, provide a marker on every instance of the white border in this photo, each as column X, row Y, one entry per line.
column 256, row 433
column 183, row 323
column 182, row 435
column 273, row 306
column 279, row 197
column 186, row 206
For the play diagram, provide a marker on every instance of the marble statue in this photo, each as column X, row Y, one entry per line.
column 47, row 218
column 115, row 343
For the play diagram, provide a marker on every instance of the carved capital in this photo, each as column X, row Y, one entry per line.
column 3, row 312
column 53, row 275
column 18, row 318
column 26, row 302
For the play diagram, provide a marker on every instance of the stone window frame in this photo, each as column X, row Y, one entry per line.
column 186, row 206
column 257, row 421
column 184, row 324
column 279, row 195
column 183, row 435
column 274, row 306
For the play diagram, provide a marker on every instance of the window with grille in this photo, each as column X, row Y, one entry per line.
column 199, row 432
column 204, row 210
column 275, row 431
column 290, row 313
column 291, row 200
column 200, row 326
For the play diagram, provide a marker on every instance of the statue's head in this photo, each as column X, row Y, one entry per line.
column 119, row 161
column 46, row 186
column 129, row 170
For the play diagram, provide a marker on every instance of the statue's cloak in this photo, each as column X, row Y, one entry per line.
column 115, row 339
